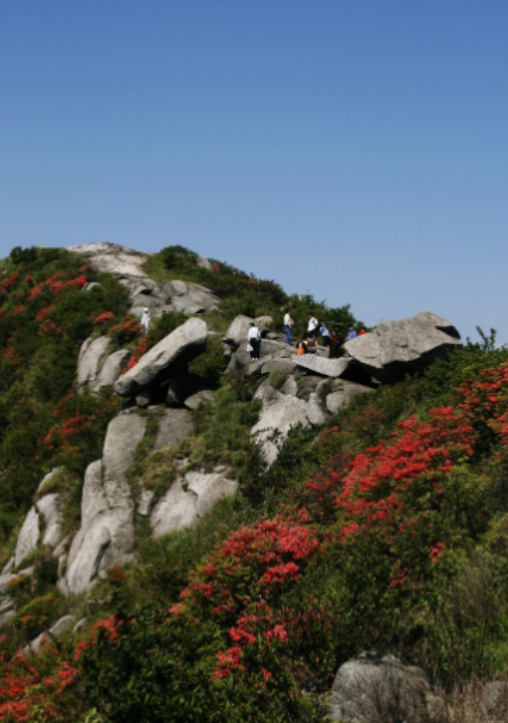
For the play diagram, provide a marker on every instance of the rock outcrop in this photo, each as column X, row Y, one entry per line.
column 170, row 356
column 97, row 368
column 91, row 356
column 189, row 499
column 239, row 328
column 372, row 688
column 127, row 265
column 396, row 348
column 174, row 426
column 112, row 258
column 279, row 414
column 107, row 535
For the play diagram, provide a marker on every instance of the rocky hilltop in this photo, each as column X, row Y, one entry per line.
column 168, row 427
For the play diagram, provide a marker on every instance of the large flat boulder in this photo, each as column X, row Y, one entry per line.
column 332, row 368
column 169, row 356
column 397, row 348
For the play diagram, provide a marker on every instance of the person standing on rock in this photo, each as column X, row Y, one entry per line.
column 351, row 333
column 335, row 344
column 254, row 339
column 325, row 334
column 145, row 320
column 312, row 326
column 288, row 325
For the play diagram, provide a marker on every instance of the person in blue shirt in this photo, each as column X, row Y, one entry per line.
column 325, row 334
column 351, row 333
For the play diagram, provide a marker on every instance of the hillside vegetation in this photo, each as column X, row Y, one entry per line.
column 385, row 529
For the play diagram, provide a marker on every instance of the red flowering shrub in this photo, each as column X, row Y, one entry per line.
column 139, row 351
column 241, row 583
column 38, row 688
column 125, row 331
column 103, row 318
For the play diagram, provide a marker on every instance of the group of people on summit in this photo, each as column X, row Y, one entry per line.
column 332, row 340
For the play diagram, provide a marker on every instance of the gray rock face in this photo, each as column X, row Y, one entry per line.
column 169, row 356
column 55, row 631
column 189, row 499
column 28, row 538
column 340, row 398
column 111, row 369
column 175, row 426
column 91, row 356
column 182, row 296
column 107, row 536
column 279, row 414
column 188, row 298
column 112, row 258
column 285, row 365
column 397, row 348
column 204, row 396
column 127, row 265
column 239, row 328
column 374, row 689
column 48, row 479
column 268, row 350
column 50, row 507
column 332, row 368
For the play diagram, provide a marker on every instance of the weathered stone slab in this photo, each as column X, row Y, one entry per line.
column 188, row 500
column 372, row 687
column 332, row 368
column 167, row 357
column 175, row 426
column 28, row 538
column 340, row 398
column 91, row 356
column 111, row 369
column 50, row 508
column 397, row 348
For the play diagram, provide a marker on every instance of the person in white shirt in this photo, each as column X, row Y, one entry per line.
column 145, row 320
column 312, row 326
column 254, row 339
column 288, row 325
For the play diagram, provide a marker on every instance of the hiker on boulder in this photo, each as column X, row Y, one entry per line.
column 325, row 334
column 335, row 345
column 312, row 326
column 288, row 325
column 145, row 320
column 254, row 341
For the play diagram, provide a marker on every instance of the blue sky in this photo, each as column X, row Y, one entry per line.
column 356, row 150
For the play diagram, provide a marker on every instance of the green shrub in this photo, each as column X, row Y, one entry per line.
column 38, row 615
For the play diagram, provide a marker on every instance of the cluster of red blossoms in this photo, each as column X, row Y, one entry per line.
column 242, row 580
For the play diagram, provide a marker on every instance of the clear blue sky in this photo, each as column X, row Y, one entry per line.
column 355, row 149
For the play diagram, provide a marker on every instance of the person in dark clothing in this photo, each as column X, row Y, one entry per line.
column 335, row 344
